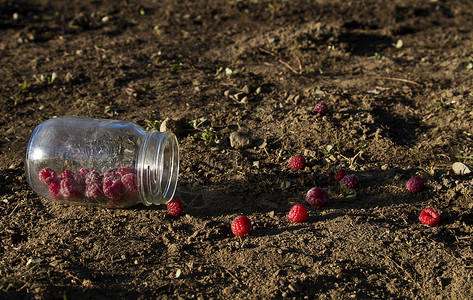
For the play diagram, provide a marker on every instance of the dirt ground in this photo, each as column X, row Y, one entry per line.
column 396, row 76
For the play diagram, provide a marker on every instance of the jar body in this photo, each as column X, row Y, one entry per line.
column 101, row 162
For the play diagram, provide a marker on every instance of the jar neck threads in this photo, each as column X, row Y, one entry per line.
column 158, row 168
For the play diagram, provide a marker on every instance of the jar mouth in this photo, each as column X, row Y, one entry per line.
column 158, row 167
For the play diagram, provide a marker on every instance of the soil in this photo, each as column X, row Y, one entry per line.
column 397, row 79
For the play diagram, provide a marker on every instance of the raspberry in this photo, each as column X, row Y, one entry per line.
column 429, row 217
column 349, row 181
column 54, row 190
column 126, row 170
column 320, row 108
column 94, row 191
column 111, row 174
column 130, row 184
column 317, row 197
column 69, row 188
column 297, row 162
column 339, row 176
column 47, row 175
column 175, row 207
column 93, row 175
column 415, row 184
column 113, row 189
column 67, row 174
column 298, row 213
column 241, row 226
column 80, row 177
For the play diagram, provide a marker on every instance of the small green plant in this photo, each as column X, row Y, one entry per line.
column 469, row 66
column 297, row 47
column 377, row 56
column 22, row 89
column 48, row 79
column 152, row 124
column 231, row 73
column 206, row 134
column 142, row 11
column 347, row 193
column 145, row 86
column 176, row 67
column 157, row 30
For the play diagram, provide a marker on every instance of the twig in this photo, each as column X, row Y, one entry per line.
column 399, row 79
column 231, row 274
column 283, row 62
column 289, row 67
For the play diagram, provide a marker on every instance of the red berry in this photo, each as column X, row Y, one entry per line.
column 111, row 174
column 317, row 197
column 83, row 171
column 47, row 175
column 349, row 181
column 94, row 190
column 54, row 190
column 429, row 217
column 93, row 175
column 126, row 170
column 320, row 108
column 67, row 174
column 130, row 184
column 339, row 176
column 298, row 213
column 297, row 162
column 69, row 188
column 415, row 184
column 113, row 189
column 175, row 207
column 241, row 226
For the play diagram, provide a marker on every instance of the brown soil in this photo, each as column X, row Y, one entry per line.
column 394, row 112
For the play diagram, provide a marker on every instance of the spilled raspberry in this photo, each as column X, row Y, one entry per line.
column 415, row 184
column 47, row 175
column 241, row 226
column 429, row 217
column 320, row 108
column 297, row 162
column 298, row 213
column 111, row 174
column 175, row 207
column 339, row 176
column 317, row 197
column 349, row 181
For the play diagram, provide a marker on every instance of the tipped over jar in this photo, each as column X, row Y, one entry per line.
column 102, row 162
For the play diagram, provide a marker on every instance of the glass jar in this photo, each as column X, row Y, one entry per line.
column 101, row 162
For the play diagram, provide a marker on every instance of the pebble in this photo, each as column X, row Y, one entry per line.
column 461, row 169
column 176, row 127
column 240, row 140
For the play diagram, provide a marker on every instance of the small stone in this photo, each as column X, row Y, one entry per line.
column 256, row 164
column 226, row 93
column 461, row 169
column 240, row 140
column 170, row 125
column 258, row 90
column 245, row 89
column 244, row 100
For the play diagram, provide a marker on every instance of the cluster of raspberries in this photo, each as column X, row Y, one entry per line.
column 116, row 187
